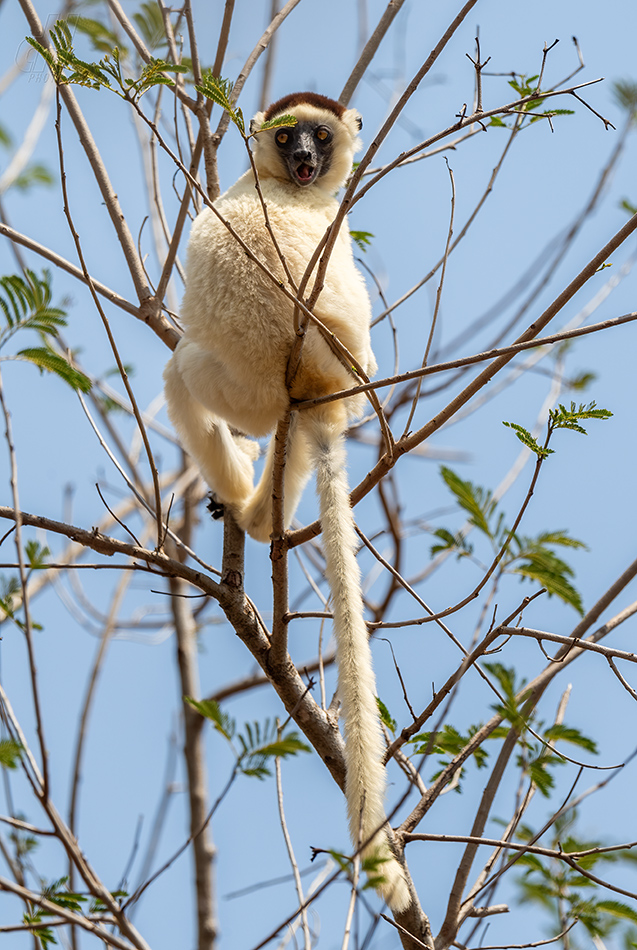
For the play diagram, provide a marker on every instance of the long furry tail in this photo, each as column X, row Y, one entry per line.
column 365, row 782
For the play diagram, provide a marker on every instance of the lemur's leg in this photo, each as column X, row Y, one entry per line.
column 225, row 461
column 256, row 516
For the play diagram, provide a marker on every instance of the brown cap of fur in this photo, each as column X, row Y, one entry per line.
column 311, row 98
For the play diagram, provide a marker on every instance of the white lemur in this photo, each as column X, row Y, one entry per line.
column 228, row 373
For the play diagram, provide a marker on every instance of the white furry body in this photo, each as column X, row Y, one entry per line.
column 229, row 371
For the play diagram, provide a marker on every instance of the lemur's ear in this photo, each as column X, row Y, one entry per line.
column 256, row 122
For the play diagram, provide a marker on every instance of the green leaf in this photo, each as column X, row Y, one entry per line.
column 8, row 588
column 510, row 708
column 448, row 742
column 539, row 774
column 560, row 537
column 451, row 541
column 35, row 174
column 572, row 735
column 563, row 418
column 372, row 867
column 220, row 91
column 552, row 573
column 36, row 554
column 549, row 113
column 505, row 675
column 97, row 906
column 524, row 86
column 10, row 753
column 627, row 206
column 281, row 121
column 153, row 75
column 46, row 359
column 625, row 94
column 44, row 53
column 102, row 39
column 342, row 860
column 385, row 716
column 259, row 743
column 25, row 303
column 44, row 934
column 210, row 709
column 217, row 89
column 527, row 439
column 57, row 893
column 475, row 500
column 581, row 381
column 362, row 239
column 150, row 23
column 531, row 861
column 617, row 909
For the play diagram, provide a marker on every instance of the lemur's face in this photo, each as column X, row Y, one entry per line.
column 305, row 149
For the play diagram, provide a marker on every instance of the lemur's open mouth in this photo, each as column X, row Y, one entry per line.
column 305, row 174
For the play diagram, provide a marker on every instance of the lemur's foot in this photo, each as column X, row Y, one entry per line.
column 215, row 507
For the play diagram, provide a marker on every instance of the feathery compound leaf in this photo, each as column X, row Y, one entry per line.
column 569, row 734
column 36, row 554
column 362, row 239
column 62, row 898
column 210, row 709
column 510, row 709
column 102, row 39
column 527, row 439
column 451, row 541
column 150, row 22
column 385, row 715
column 25, row 302
column 34, row 174
column 284, row 121
column 289, row 744
column 217, row 89
column 475, row 500
column 43, row 934
column 449, row 742
column 539, row 774
column 261, row 743
column 153, row 75
column 46, row 55
column 551, row 572
column 617, row 909
column 220, row 91
column 46, row 359
column 625, row 94
column 560, row 537
column 563, row 418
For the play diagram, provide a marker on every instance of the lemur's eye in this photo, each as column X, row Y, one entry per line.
column 282, row 137
column 323, row 133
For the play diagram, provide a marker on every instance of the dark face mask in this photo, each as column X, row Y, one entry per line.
column 306, row 150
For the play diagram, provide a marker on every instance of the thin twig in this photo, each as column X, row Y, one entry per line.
column 465, row 361
column 290, row 850
column 369, row 50
column 27, row 626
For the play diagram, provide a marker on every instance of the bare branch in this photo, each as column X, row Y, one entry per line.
column 369, row 50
